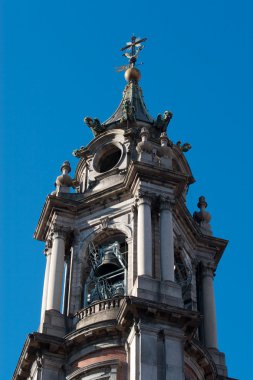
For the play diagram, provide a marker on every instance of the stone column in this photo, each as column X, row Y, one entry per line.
column 167, row 244
column 56, row 270
column 46, row 278
column 144, row 238
column 210, row 330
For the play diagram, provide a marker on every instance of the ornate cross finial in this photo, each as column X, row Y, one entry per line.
column 134, row 47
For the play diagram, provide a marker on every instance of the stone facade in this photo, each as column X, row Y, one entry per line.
column 128, row 290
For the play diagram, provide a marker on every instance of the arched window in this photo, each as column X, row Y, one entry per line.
column 107, row 276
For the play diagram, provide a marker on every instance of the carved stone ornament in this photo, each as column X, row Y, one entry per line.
column 185, row 147
column 94, row 125
column 81, row 152
column 128, row 111
column 163, row 121
column 104, row 222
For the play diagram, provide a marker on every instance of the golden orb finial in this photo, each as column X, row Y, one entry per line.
column 132, row 74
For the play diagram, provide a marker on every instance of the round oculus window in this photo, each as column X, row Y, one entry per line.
column 108, row 158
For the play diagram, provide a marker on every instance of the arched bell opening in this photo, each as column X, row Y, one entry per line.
column 107, row 273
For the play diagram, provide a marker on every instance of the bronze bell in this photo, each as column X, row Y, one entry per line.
column 109, row 263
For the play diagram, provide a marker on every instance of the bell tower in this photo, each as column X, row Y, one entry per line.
column 128, row 290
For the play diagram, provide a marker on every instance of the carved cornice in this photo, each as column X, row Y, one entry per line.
column 133, row 307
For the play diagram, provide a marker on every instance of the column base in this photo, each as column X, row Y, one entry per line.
column 166, row 292
column 54, row 324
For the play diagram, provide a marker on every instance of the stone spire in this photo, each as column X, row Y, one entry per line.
column 132, row 111
column 132, row 107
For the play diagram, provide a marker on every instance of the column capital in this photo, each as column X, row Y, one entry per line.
column 59, row 232
column 144, row 197
column 166, row 203
column 208, row 269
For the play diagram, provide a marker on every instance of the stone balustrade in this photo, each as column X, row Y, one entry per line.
column 109, row 307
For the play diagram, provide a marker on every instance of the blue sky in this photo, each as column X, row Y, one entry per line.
column 58, row 65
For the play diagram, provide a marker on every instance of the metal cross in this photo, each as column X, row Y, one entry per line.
column 134, row 47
